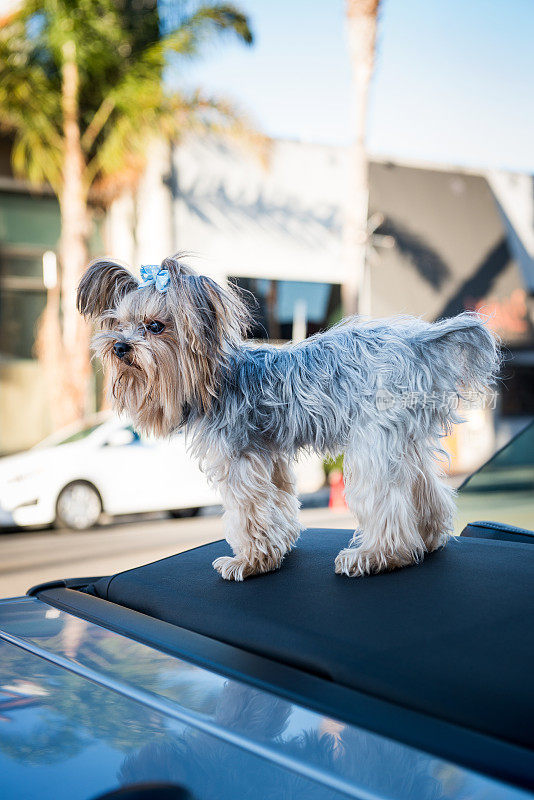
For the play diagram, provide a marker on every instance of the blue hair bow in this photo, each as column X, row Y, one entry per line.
column 154, row 274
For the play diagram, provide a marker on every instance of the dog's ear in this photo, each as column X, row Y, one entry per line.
column 218, row 313
column 103, row 285
column 210, row 320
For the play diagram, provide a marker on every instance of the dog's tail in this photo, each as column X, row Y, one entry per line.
column 471, row 350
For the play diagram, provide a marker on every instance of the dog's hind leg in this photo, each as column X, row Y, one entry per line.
column 256, row 526
column 379, row 491
column 287, row 501
column 434, row 500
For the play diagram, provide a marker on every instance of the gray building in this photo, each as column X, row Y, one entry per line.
column 457, row 244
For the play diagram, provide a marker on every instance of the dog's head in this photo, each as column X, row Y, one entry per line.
column 165, row 340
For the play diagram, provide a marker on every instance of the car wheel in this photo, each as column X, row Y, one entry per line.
column 180, row 513
column 78, row 506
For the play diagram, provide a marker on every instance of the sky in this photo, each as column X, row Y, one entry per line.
column 453, row 81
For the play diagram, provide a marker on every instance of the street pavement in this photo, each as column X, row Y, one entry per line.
column 28, row 558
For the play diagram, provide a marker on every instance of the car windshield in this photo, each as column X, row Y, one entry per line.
column 73, row 436
column 503, row 489
column 82, row 434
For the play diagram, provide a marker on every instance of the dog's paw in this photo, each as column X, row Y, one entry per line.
column 234, row 568
column 237, row 568
column 348, row 563
column 356, row 562
column 437, row 541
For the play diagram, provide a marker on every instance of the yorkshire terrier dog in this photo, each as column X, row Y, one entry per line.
column 381, row 392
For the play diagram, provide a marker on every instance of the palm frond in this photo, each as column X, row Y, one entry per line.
column 206, row 23
column 204, row 114
column 122, row 100
column 220, row 19
column 121, row 158
column 29, row 106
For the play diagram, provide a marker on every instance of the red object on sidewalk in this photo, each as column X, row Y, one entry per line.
column 337, row 500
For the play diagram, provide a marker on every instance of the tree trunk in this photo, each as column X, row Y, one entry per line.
column 49, row 351
column 73, row 249
column 361, row 28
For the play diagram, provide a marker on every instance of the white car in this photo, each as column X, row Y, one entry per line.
column 74, row 476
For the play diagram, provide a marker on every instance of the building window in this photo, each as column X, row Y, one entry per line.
column 517, row 398
column 284, row 310
column 22, row 301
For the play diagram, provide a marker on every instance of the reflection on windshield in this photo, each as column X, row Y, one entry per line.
column 503, row 489
column 200, row 761
column 73, row 434
column 76, row 437
column 221, row 738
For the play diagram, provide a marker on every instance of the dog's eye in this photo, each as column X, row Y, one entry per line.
column 155, row 326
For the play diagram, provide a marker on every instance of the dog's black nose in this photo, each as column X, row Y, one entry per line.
column 121, row 348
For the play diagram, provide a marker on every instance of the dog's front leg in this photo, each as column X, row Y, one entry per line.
column 255, row 526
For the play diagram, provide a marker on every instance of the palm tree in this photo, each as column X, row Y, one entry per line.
column 361, row 18
column 82, row 90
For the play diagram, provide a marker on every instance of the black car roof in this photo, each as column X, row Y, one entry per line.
column 453, row 637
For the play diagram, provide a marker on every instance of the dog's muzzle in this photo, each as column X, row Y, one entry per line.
column 121, row 348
